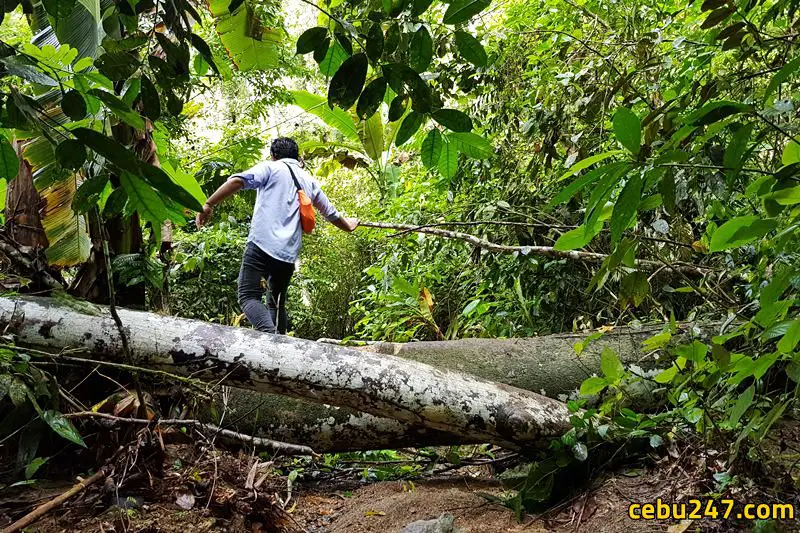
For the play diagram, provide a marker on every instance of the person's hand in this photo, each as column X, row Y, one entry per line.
column 203, row 216
column 352, row 223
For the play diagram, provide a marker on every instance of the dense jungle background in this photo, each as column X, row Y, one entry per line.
column 521, row 169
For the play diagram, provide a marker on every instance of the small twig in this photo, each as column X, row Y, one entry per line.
column 42, row 510
column 260, row 442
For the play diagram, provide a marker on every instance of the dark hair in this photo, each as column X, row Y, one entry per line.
column 283, row 148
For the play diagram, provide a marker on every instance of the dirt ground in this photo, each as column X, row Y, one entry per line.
column 200, row 491
column 389, row 506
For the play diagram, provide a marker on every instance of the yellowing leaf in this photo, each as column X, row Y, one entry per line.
column 374, row 513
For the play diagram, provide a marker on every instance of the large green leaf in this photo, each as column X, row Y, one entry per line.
column 589, row 161
column 374, row 47
column 311, row 39
column 462, row 10
column 70, row 154
column 73, row 105
column 346, row 85
column 250, row 45
column 405, row 80
column 781, row 76
column 9, row 164
column 584, row 181
column 471, row 49
column 151, row 102
column 80, row 29
column 62, row 426
column 120, row 109
column 409, row 127
column 67, row 232
column 578, row 237
column 93, row 7
column 127, row 160
column 448, row 159
column 625, row 207
column 336, row 118
column 431, row 149
column 184, row 179
column 143, row 199
column 633, row 289
column 420, row 49
column 739, row 231
column 371, row 99
column 735, row 151
column 453, row 119
column 628, row 129
column 472, row 144
column 370, row 132
column 716, row 111
column 117, row 66
column 333, row 59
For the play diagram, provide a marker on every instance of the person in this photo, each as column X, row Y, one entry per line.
column 275, row 237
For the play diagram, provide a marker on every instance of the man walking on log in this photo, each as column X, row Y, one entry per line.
column 275, row 232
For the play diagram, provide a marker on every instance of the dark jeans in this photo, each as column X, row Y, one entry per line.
column 256, row 264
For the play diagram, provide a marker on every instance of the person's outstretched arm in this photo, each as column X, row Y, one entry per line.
column 326, row 209
column 250, row 179
column 229, row 188
column 346, row 224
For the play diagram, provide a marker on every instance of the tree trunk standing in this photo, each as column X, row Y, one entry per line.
column 382, row 385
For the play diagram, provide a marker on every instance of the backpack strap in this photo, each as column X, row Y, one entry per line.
column 294, row 178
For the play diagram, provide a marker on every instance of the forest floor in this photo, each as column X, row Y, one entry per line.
column 224, row 491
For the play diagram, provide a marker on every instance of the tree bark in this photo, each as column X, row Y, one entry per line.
column 547, row 364
column 381, row 385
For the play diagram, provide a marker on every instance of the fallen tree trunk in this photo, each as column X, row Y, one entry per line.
column 548, row 364
column 382, row 385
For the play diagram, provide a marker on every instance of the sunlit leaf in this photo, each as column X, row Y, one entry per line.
column 592, row 386
column 472, row 144
column 783, row 75
column 628, row 129
column 739, row 231
column 336, row 118
column 431, row 149
column 448, row 159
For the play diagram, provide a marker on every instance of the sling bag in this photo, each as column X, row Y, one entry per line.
column 307, row 218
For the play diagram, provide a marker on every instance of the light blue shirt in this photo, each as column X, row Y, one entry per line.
column 276, row 218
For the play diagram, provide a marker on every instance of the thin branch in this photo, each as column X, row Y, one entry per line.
column 259, row 442
column 42, row 510
column 525, row 225
column 197, row 384
column 112, row 296
column 715, row 167
column 545, row 251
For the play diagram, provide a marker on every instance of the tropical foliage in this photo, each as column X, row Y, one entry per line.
column 661, row 135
